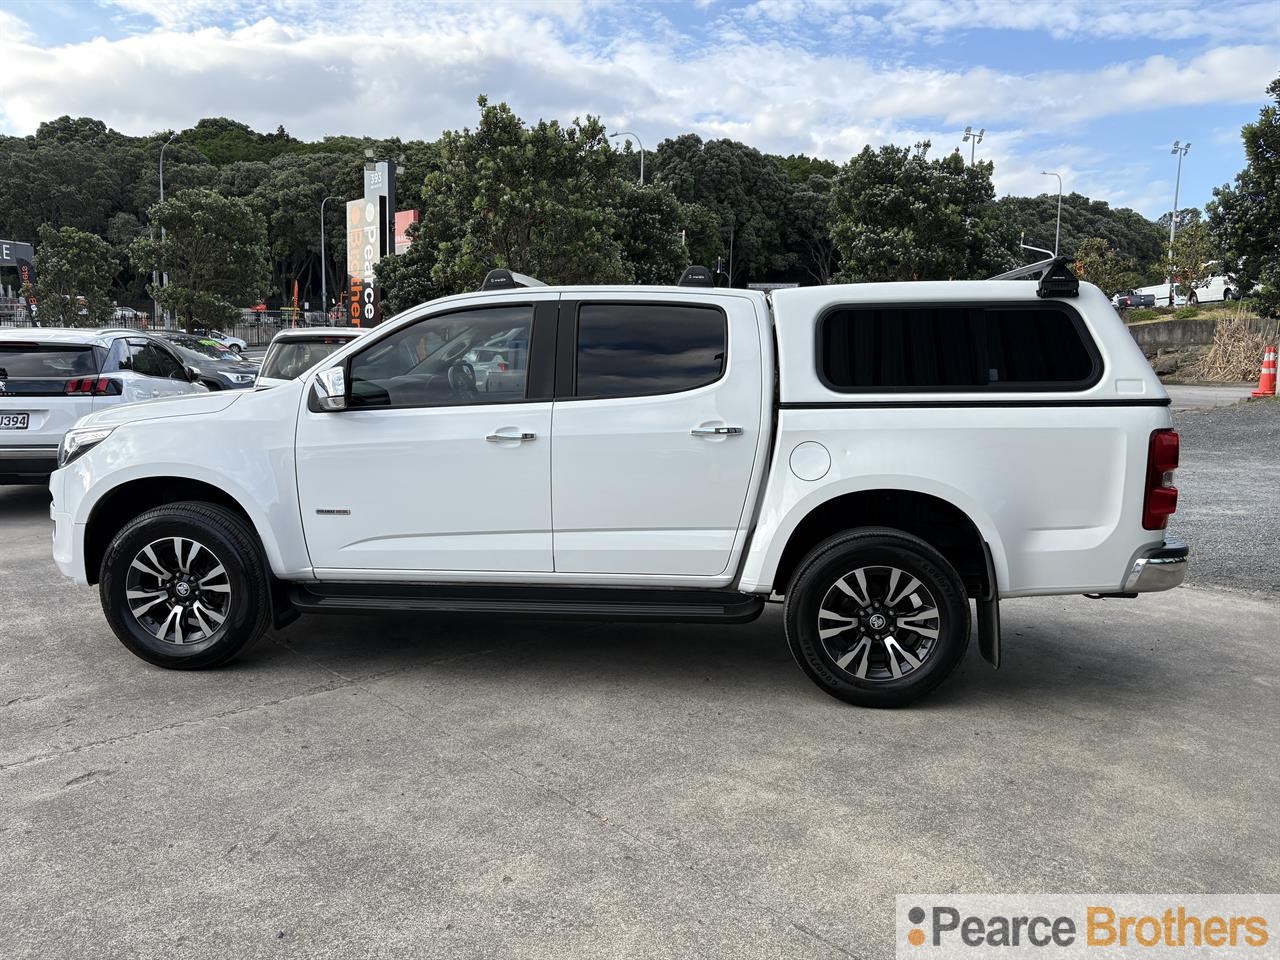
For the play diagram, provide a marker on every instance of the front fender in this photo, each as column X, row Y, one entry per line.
column 258, row 475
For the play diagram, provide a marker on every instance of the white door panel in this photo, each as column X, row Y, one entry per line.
column 429, row 469
column 425, row 489
column 636, row 491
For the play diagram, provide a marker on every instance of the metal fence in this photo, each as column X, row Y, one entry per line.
column 255, row 328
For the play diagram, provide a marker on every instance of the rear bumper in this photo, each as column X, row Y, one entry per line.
column 1158, row 568
column 30, row 464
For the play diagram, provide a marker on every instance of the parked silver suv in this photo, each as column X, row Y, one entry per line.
column 50, row 378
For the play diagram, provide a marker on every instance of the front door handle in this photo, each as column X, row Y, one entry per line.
column 498, row 437
column 716, row 431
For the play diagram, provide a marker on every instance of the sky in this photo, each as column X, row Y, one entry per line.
column 1096, row 91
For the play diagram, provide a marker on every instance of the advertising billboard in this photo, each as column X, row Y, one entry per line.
column 370, row 237
column 404, row 220
column 363, row 252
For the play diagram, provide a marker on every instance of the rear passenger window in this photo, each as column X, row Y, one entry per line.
column 641, row 349
column 955, row 348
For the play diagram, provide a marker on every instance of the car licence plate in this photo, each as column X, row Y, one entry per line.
column 14, row 421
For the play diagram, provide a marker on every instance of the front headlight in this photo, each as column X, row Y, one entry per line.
column 242, row 377
column 78, row 441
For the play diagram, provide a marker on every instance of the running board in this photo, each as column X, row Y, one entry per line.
column 602, row 603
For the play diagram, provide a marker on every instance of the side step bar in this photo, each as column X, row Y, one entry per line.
column 603, row 603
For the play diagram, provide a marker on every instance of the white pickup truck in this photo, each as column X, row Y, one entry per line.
column 875, row 456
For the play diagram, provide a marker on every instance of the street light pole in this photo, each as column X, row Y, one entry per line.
column 1181, row 150
column 973, row 139
column 324, row 265
column 164, row 277
column 628, row 133
column 1057, row 230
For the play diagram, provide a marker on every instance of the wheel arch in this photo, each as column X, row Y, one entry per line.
column 962, row 536
column 117, row 506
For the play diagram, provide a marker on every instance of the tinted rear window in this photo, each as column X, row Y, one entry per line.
column 46, row 360
column 969, row 348
column 640, row 349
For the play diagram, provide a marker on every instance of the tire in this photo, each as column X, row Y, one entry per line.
column 883, row 655
column 211, row 619
column 237, row 349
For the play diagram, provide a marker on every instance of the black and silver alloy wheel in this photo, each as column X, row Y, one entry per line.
column 185, row 585
column 178, row 591
column 878, row 623
column 876, row 617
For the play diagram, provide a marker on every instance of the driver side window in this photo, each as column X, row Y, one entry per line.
column 471, row 356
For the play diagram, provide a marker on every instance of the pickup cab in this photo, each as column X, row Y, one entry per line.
column 876, row 457
column 1127, row 299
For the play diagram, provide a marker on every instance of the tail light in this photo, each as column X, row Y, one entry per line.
column 93, row 386
column 1161, row 498
column 502, row 366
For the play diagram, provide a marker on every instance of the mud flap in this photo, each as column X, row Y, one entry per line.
column 989, row 615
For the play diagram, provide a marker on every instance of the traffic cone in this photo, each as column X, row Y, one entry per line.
column 1267, row 379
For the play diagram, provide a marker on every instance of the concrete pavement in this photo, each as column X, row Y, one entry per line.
column 399, row 787
column 1201, row 396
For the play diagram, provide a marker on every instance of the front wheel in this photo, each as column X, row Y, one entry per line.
column 877, row 617
column 184, row 586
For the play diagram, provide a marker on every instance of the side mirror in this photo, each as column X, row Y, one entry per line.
column 193, row 374
column 329, row 390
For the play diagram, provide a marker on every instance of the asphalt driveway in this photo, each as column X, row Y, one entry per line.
column 401, row 787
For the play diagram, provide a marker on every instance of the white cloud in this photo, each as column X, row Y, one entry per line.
column 318, row 74
column 939, row 20
column 13, row 29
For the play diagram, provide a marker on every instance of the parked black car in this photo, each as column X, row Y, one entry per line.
column 218, row 368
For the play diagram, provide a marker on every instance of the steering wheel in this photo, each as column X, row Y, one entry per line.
column 462, row 379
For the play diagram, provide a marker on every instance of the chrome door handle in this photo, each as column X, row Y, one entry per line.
column 716, row 431
column 497, row 437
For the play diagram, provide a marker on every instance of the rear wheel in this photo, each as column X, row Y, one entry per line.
column 184, row 586
column 877, row 617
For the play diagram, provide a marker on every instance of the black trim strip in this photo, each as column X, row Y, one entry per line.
column 899, row 404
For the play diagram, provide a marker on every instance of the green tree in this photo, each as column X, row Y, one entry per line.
column 648, row 229
column 214, row 250
column 701, row 230
column 901, row 216
column 745, row 188
column 811, row 215
column 74, row 270
column 542, row 200
column 1130, row 234
column 1098, row 263
column 798, row 167
column 1245, row 218
column 406, row 280
column 1194, row 257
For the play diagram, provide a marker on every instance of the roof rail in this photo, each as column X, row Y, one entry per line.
column 1057, row 278
column 502, row 279
column 696, row 276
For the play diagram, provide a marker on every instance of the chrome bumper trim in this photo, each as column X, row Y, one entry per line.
column 27, row 453
column 1158, row 568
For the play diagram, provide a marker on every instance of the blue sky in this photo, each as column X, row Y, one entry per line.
column 1095, row 91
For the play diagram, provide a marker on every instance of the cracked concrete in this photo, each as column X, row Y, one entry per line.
column 451, row 787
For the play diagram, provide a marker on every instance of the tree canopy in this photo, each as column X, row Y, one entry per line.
column 213, row 249
column 73, row 277
column 901, row 216
column 1244, row 218
column 561, row 201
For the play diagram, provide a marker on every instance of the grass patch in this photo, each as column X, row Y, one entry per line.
column 1142, row 314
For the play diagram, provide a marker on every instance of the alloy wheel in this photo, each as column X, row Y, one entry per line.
column 878, row 623
column 178, row 591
